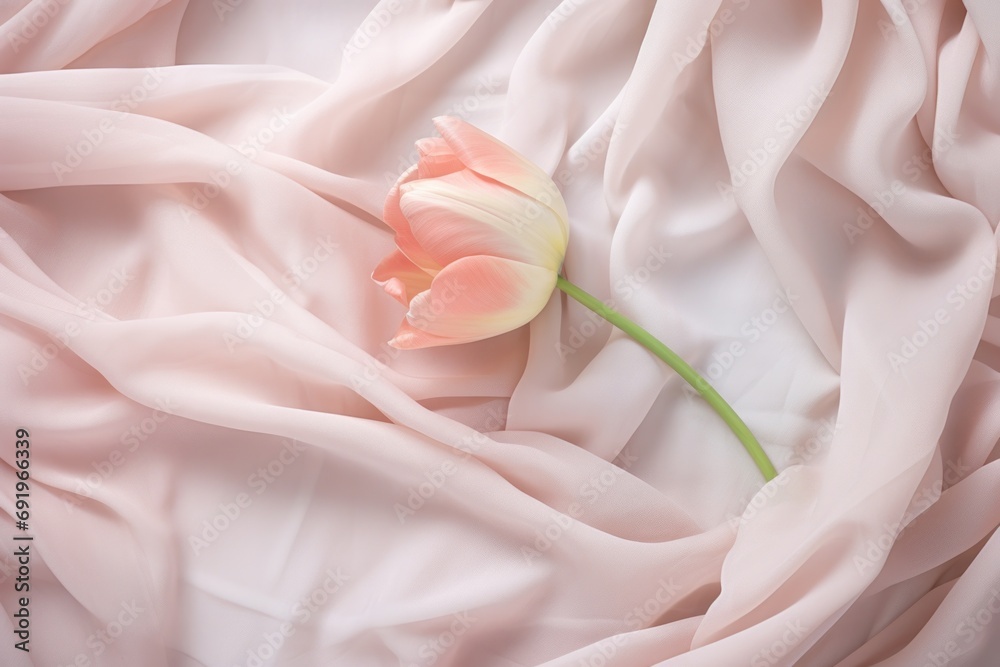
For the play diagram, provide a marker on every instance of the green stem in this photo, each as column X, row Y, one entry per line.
column 683, row 369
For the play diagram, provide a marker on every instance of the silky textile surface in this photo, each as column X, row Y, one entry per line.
column 226, row 464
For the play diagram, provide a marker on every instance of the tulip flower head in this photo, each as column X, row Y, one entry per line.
column 481, row 233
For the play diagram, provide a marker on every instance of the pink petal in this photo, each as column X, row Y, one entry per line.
column 408, row 337
column 393, row 216
column 462, row 214
column 492, row 158
column 480, row 297
column 437, row 158
column 400, row 277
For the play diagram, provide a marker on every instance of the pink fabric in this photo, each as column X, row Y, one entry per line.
column 229, row 466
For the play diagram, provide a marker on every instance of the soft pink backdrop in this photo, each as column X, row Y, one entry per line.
column 788, row 193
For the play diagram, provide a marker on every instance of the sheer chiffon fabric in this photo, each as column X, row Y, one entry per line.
column 229, row 466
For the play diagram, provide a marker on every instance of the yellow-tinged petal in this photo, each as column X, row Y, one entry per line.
column 401, row 278
column 479, row 297
column 494, row 159
column 461, row 214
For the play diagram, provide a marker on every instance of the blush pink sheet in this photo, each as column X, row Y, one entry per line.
column 229, row 466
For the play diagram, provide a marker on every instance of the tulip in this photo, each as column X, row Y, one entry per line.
column 481, row 233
